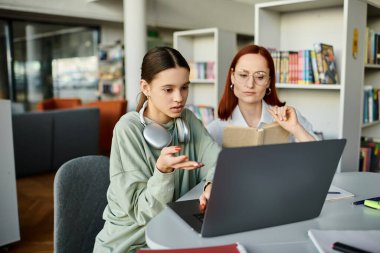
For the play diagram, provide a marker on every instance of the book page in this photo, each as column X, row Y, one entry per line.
column 237, row 136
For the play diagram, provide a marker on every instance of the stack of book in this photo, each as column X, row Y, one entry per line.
column 315, row 66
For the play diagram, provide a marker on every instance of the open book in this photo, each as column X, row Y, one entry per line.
column 236, row 136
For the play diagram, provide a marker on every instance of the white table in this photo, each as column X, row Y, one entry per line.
column 167, row 230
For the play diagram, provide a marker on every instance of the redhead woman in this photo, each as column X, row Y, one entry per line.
column 250, row 98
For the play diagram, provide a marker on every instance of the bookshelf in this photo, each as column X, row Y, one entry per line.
column 372, row 71
column 210, row 45
column 334, row 110
column 111, row 72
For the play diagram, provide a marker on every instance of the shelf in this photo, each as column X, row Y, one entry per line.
column 277, row 26
column 201, row 47
column 202, row 81
column 308, row 86
column 377, row 122
column 198, row 32
column 296, row 5
column 372, row 66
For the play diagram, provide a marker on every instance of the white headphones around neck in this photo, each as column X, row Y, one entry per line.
column 157, row 136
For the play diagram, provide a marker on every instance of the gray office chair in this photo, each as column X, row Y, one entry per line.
column 80, row 188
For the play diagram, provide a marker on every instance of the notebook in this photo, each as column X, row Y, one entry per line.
column 237, row 136
column 364, row 239
column 265, row 186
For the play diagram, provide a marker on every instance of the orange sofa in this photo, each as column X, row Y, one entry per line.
column 110, row 113
column 58, row 103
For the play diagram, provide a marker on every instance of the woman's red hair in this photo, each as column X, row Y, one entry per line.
column 229, row 101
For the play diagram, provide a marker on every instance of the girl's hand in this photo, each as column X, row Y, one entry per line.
column 205, row 197
column 166, row 162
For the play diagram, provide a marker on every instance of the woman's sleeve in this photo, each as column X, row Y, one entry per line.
column 306, row 125
column 134, row 190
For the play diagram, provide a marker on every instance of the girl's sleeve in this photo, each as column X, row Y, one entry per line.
column 207, row 149
column 136, row 189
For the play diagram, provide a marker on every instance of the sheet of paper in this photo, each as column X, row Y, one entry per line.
column 342, row 193
column 363, row 239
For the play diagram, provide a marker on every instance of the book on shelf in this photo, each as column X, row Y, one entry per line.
column 228, row 248
column 309, row 74
column 202, row 70
column 372, row 44
column 276, row 55
column 328, row 73
column 237, row 136
column 284, row 66
column 296, row 67
column 370, row 104
column 369, row 155
column 313, row 58
column 306, row 66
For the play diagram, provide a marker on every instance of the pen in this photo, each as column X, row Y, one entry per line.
column 341, row 247
column 333, row 192
column 361, row 202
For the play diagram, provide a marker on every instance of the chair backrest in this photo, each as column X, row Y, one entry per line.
column 80, row 188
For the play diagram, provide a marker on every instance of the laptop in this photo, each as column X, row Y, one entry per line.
column 264, row 186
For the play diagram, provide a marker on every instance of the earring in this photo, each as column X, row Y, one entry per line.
column 232, row 86
column 269, row 90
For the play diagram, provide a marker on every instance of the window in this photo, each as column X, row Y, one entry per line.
column 52, row 60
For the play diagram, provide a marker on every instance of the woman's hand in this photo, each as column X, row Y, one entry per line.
column 205, row 197
column 166, row 162
column 286, row 116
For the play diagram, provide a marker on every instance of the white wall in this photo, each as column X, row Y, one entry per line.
column 178, row 14
column 194, row 14
column 110, row 10
column 111, row 32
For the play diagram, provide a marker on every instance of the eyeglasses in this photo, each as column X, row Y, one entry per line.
column 260, row 78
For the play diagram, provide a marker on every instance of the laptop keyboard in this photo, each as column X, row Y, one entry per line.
column 199, row 216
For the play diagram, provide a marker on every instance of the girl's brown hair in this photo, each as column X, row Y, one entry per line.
column 156, row 60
